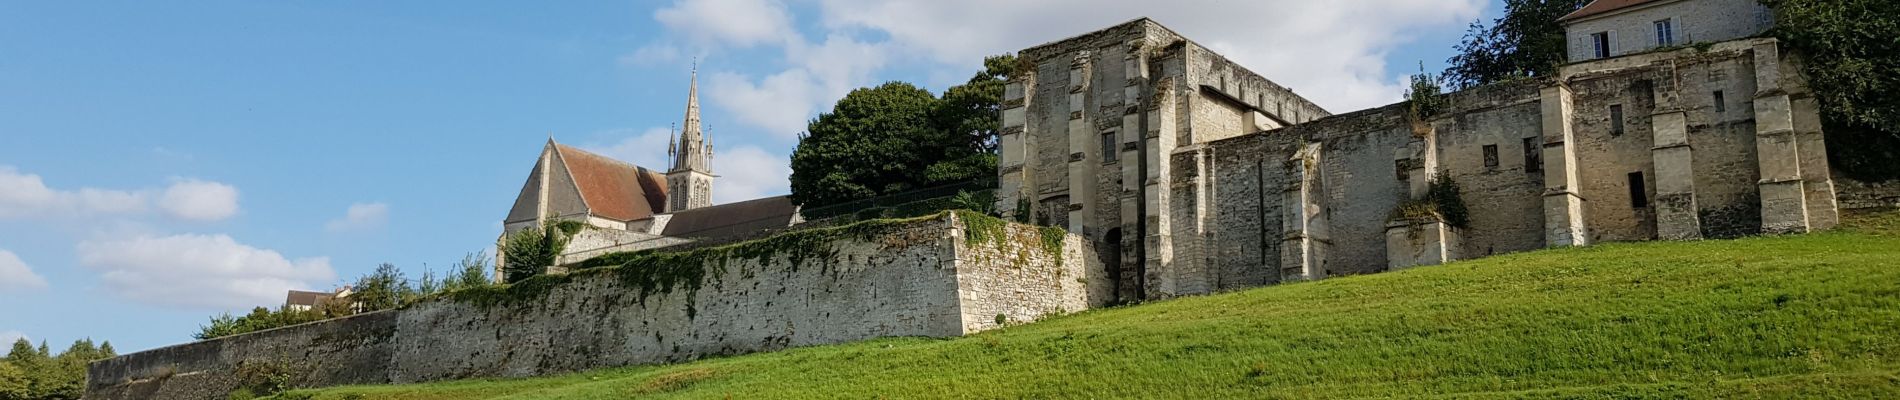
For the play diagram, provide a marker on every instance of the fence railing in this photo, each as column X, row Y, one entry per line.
column 896, row 199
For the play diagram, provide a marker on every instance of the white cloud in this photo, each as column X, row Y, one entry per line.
column 784, row 102
column 644, row 148
column 26, row 195
column 198, row 271
column 748, row 172
column 200, row 200
column 1333, row 52
column 16, row 276
column 360, row 216
column 740, row 23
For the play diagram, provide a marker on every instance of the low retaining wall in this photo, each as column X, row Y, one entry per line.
column 940, row 276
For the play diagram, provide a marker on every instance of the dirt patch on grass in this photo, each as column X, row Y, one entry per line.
column 674, row 381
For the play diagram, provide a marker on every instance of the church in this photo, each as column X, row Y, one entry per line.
column 627, row 207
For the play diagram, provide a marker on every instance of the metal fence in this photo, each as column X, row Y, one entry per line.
column 893, row 200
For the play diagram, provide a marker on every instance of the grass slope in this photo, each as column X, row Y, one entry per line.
column 1799, row 316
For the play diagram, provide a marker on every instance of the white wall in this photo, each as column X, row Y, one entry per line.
column 1633, row 30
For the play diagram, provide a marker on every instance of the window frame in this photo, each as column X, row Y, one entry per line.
column 1111, row 147
column 1721, row 102
column 1491, row 161
column 1665, row 32
column 1600, row 44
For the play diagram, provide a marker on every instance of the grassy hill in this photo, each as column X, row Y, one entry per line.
column 1812, row 316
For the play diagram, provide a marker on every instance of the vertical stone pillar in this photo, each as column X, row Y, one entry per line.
column 1081, row 133
column 1193, row 230
column 1132, row 135
column 1015, row 147
column 1158, row 242
column 1563, row 204
column 1303, row 243
column 1784, row 206
column 1677, row 216
column 1816, row 176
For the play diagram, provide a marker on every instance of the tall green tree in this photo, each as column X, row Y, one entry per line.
column 875, row 141
column 1853, row 66
column 897, row 137
column 1527, row 41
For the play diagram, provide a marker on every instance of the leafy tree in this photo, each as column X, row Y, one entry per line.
column 383, row 289
column 1527, row 41
column 875, row 141
column 1853, row 65
column 23, row 352
column 897, row 137
column 530, row 252
column 472, row 271
column 427, row 285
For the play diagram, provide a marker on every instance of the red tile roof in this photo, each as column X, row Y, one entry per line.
column 1604, row 6
column 614, row 189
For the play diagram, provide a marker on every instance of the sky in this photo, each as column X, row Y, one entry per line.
column 163, row 162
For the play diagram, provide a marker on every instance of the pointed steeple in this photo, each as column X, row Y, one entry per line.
column 689, row 153
column 689, row 181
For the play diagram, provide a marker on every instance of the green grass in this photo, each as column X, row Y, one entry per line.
column 1811, row 316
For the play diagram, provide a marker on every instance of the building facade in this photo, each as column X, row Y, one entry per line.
column 1611, row 28
column 1194, row 175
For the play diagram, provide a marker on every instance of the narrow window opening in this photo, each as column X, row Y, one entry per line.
column 1600, row 42
column 1639, row 196
column 1721, row 104
column 1490, row 157
column 1110, row 152
column 1533, row 155
column 1616, row 120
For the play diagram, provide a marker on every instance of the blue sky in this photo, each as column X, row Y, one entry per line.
column 161, row 162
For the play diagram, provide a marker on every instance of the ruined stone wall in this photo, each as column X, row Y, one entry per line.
column 1505, row 199
column 918, row 278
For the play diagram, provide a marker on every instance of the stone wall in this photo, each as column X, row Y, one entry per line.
column 923, row 277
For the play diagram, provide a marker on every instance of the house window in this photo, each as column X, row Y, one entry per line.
column 1616, row 120
column 1109, row 151
column 1665, row 34
column 1533, row 155
column 1490, row 157
column 1720, row 103
column 1639, row 197
column 1600, row 43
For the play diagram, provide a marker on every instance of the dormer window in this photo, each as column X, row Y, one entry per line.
column 1665, row 34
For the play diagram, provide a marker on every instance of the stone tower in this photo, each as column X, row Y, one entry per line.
column 689, row 179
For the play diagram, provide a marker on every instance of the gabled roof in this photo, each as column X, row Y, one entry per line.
column 303, row 298
column 613, row 189
column 1604, row 6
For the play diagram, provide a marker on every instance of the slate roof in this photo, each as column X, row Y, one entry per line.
column 1604, row 6
column 733, row 220
column 303, row 298
column 614, row 189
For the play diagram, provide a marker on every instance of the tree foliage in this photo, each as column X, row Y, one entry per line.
column 898, row 137
column 1527, row 41
column 34, row 373
column 530, row 252
column 1853, row 66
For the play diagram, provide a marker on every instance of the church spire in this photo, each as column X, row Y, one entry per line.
column 690, row 145
column 689, row 181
